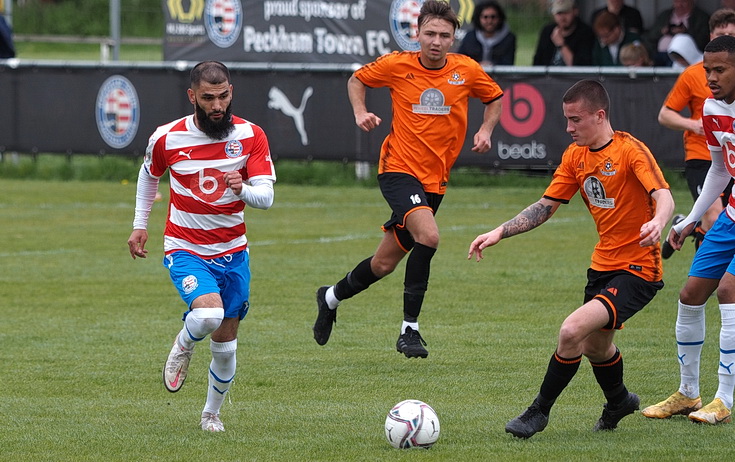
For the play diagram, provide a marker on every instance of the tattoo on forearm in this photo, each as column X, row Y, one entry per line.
column 528, row 219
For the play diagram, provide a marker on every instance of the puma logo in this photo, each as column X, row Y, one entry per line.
column 279, row 101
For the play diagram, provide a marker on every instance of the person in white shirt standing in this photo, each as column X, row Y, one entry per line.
column 218, row 164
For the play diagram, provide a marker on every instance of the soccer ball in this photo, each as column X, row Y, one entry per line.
column 412, row 424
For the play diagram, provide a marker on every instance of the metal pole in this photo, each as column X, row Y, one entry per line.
column 9, row 12
column 115, row 28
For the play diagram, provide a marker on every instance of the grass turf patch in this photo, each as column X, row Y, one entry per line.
column 86, row 330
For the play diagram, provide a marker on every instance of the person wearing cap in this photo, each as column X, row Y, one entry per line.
column 567, row 41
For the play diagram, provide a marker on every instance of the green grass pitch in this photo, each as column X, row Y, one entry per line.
column 85, row 330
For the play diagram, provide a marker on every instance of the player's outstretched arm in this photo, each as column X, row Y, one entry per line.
column 532, row 216
column 484, row 241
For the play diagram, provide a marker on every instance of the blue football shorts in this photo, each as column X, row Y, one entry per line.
column 228, row 276
column 715, row 254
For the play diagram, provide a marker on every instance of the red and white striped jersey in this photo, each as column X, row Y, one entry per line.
column 718, row 120
column 205, row 217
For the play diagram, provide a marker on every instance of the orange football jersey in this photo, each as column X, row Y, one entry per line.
column 429, row 112
column 690, row 91
column 615, row 183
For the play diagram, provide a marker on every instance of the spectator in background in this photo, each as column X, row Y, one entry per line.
column 610, row 38
column 567, row 41
column 630, row 18
column 635, row 55
column 7, row 48
column 683, row 18
column 490, row 41
column 683, row 51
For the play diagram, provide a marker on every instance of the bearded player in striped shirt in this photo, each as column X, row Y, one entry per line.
column 218, row 164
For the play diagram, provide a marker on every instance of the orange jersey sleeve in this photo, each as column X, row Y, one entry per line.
column 429, row 112
column 689, row 92
column 615, row 183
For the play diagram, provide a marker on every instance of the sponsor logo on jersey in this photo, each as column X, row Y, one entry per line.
column 233, row 149
column 456, row 79
column 608, row 168
column 117, row 111
column 223, row 21
column 189, row 284
column 595, row 191
column 431, row 102
column 403, row 17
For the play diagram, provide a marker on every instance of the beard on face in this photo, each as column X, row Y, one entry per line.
column 217, row 130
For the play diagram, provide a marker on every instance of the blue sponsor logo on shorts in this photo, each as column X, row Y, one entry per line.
column 189, row 284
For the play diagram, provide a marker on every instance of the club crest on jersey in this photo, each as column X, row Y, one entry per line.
column 117, row 111
column 608, row 168
column 233, row 149
column 189, row 284
column 431, row 102
column 223, row 21
column 596, row 195
column 404, row 18
column 456, row 79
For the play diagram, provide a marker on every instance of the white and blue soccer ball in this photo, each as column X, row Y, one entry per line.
column 412, row 424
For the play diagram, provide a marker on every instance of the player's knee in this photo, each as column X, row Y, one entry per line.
column 429, row 239
column 725, row 293
column 206, row 320
column 568, row 336
column 691, row 297
column 382, row 267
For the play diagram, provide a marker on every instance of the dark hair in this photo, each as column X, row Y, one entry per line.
column 436, row 9
column 482, row 6
column 721, row 18
column 211, row 72
column 592, row 93
column 722, row 43
column 605, row 21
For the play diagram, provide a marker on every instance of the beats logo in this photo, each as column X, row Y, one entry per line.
column 523, row 110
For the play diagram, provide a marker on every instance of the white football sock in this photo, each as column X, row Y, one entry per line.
column 332, row 301
column 726, row 370
column 199, row 323
column 412, row 325
column 221, row 373
column 689, row 340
